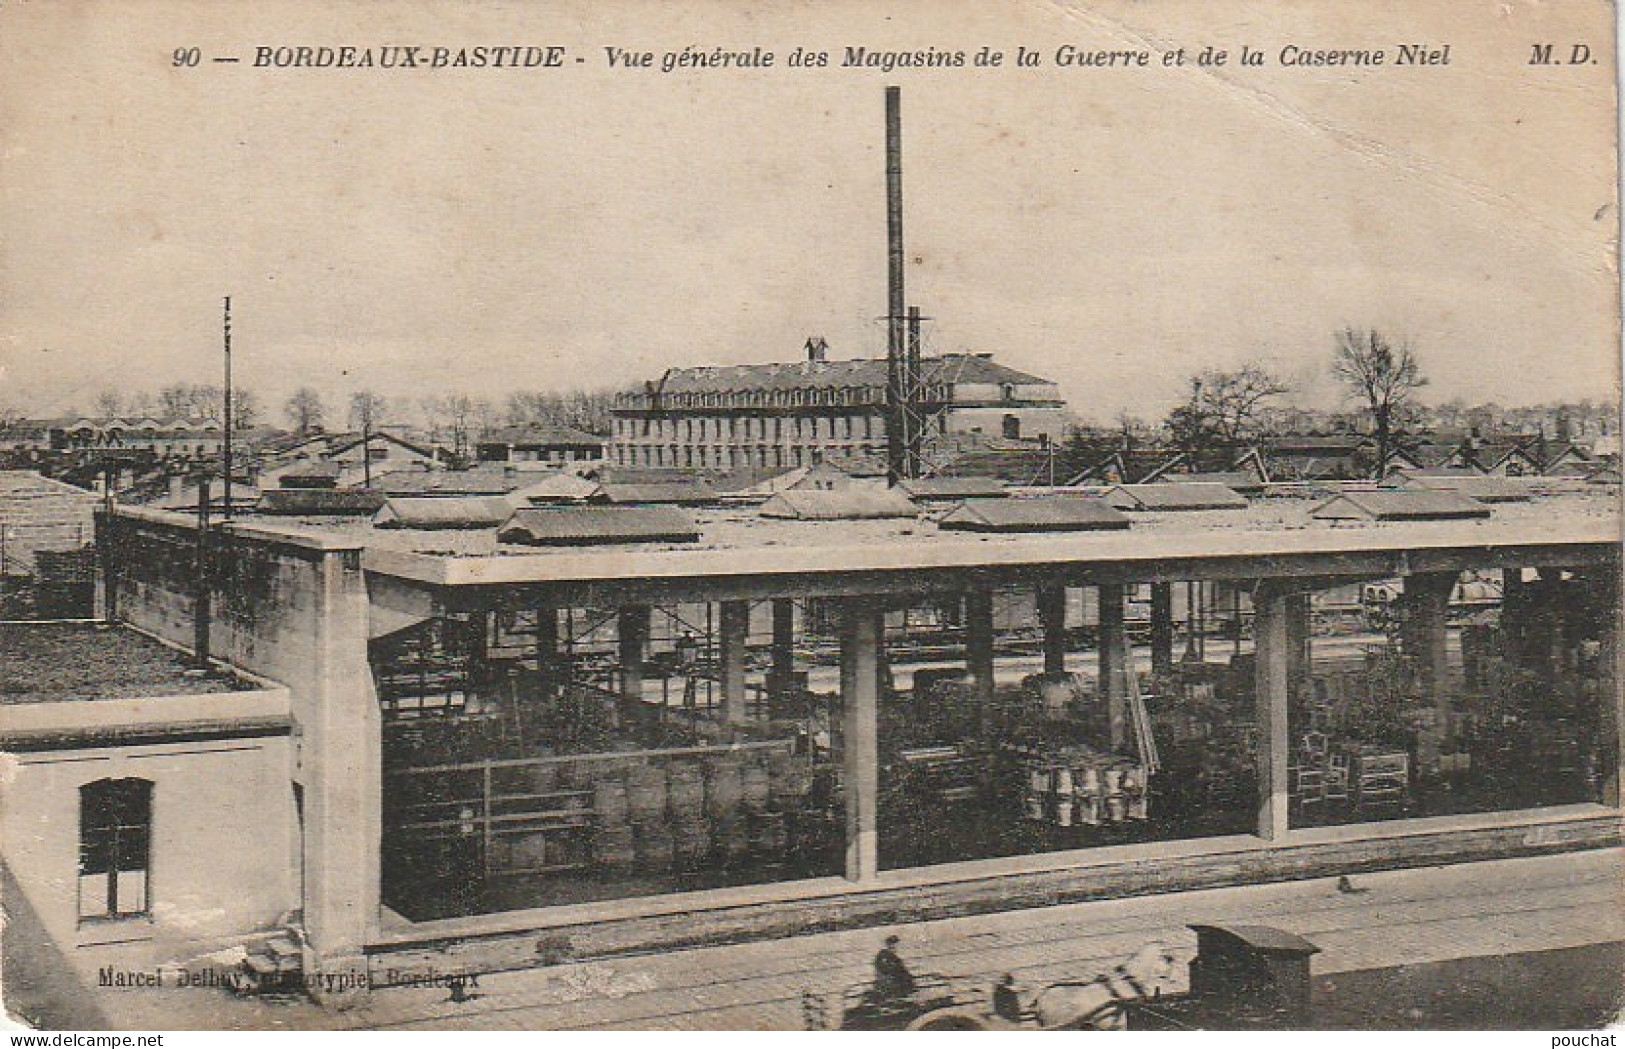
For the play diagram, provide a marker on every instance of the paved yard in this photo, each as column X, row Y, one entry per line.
column 1560, row 915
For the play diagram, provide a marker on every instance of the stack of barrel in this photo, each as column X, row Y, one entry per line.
column 776, row 784
column 1079, row 786
column 745, row 799
column 612, row 839
column 652, row 840
column 691, row 835
column 724, row 805
column 726, row 810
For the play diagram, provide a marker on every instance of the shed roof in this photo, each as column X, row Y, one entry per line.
column 334, row 502
column 1401, row 505
column 1431, row 454
column 817, row 475
column 324, row 469
column 1486, row 488
column 596, row 525
column 478, row 481
column 185, row 500
column 1465, row 470
column 1235, row 480
column 952, row 488
column 1054, row 514
column 340, row 443
column 868, row 502
column 480, row 511
column 559, row 488
column 16, row 483
column 1175, row 495
column 676, row 493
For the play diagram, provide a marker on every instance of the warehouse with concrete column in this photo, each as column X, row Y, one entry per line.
column 504, row 755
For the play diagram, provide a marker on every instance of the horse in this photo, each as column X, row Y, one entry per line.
column 1095, row 1004
column 1098, row 1004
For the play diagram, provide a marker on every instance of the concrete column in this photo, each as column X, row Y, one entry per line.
column 1052, row 619
column 1113, row 669
column 1515, row 601
column 340, row 766
column 979, row 652
column 784, row 645
column 632, row 630
column 735, row 629
column 547, row 634
column 1235, row 621
column 1162, row 628
column 1427, row 613
column 1550, row 650
column 1272, row 662
column 547, row 652
column 479, row 646
column 1298, row 654
column 862, row 627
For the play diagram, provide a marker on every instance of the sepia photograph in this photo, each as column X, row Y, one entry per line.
column 725, row 516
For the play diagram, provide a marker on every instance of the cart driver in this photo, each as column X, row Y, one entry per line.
column 892, row 977
column 1006, row 1000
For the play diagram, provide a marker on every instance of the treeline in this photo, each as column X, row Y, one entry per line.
column 456, row 418
column 180, row 401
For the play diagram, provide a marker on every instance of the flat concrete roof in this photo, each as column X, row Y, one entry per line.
column 742, row 554
column 1273, row 537
column 63, row 662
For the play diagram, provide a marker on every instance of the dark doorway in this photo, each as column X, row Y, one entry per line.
column 115, row 847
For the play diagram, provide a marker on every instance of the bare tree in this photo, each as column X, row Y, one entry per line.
column 486, row 416
column 1382, row 376
column 207, row 402
column 109, row 404
column 245, row 408
column 1224, row 410
column 450, row 418
column 460, row 419
column 186, row 401
column 175, row 402
column 304, row 410
column 587, row 410
column 368, row 410
column 432, row 410
column 1131, row 431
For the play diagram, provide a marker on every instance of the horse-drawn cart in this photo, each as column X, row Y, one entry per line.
column 1244, row 977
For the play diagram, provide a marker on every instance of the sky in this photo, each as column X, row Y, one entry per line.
column 1115, row 230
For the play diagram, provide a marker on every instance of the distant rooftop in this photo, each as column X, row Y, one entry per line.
column 863, row 373
column 59, row 662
